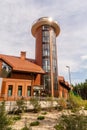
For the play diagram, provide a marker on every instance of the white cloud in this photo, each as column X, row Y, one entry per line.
column 84, row 57
column 17, row 16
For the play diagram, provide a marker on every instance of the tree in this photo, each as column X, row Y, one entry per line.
column 81, row 89
column 4, row 119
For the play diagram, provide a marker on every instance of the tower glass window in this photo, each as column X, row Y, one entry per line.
column 46, row 64
column 46, row 27
column 46, row 51
column 49, row 56
column 46, row 57
column 47, row 83
column 46, row 37
column 54, row 60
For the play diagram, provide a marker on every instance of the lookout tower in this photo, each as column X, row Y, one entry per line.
column 45, row 30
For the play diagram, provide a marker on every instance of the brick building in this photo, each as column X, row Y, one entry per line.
column 23, row 77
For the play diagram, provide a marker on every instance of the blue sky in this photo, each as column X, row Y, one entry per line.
column 17, row 16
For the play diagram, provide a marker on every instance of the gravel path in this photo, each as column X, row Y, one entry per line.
column 47, row 124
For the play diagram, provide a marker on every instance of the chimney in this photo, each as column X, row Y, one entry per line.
column 23, row 55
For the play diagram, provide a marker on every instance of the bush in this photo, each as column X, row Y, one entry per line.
column 5, row 120
column 85, row 105
column 44, row 113
column 36, row 123
column 72, row 122
column 16, row 118
column 75, row 102
column 50, row 103
column 20, row 106
column 26, row 128
column 40, row 117
column 35, row 103
column 9, row 128
column 61, row 104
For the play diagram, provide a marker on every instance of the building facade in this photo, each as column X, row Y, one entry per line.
column 23, row 77
column 18, row 76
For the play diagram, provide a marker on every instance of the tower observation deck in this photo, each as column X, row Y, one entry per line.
column 45, row 21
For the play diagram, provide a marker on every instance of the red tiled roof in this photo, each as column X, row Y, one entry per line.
column 67, row 84
column 19, row 64
column 61, row 79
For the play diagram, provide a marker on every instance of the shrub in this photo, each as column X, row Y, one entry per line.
column 40, row 117
column 5, row 120
column 85, row 105
column 35, row 123
column 20, row 106
column 72, row 122
column 49, row 101
column 75, row 102
column 61, row 104
column 26, row 128
column 16, row 118
column 44, row 113
column 9, row 128
column 35, row 103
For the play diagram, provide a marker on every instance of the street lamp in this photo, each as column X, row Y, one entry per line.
column 69, row 74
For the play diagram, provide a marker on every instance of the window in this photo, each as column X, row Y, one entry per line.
column 46, row 51
column 53, row 37
column 28, row 90
column 54, row 65
column 10, row 88
column 6, row 67
column 19, row 90
column 46, row 36
column 46, row 39
column 46, row 27
column 47, row 81
column 46, row 64
column 46, row 33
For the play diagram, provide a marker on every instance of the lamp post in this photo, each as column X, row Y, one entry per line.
column 69, row 74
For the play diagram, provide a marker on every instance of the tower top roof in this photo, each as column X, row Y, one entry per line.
column 45, row 21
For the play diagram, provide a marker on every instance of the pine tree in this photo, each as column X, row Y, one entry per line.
column 4, row 120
